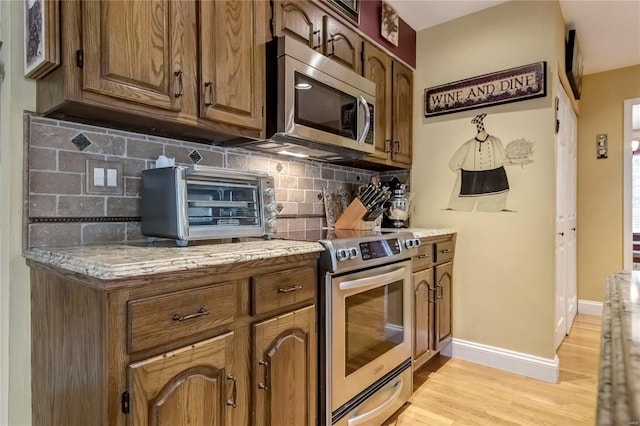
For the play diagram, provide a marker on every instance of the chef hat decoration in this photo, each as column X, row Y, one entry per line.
column 478, row 121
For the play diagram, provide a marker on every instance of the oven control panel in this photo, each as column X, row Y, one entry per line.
column 380, row 248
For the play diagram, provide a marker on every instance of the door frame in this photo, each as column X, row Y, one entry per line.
column 627, row 237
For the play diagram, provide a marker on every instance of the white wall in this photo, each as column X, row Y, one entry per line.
column 504, row 285
column 17, row 94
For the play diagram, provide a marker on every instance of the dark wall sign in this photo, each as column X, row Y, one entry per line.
column 515, row 84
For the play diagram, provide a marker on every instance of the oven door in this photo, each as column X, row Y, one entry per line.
column 370, row 328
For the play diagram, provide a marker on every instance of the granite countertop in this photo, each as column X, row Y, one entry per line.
column 116, row 261
column 619, row 375
column 128, row 260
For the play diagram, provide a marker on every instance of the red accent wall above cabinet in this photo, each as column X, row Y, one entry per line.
column 370, row 12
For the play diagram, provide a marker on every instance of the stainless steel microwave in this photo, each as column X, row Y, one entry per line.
column 315, row 106
column 199, row 202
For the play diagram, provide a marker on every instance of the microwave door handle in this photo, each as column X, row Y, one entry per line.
column 367, row 118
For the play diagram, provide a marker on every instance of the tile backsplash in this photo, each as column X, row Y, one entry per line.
column 61, row 210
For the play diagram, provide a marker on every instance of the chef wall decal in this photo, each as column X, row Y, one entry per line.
column 481, row 178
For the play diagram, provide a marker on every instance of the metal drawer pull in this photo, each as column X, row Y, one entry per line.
column 439, row 292
column 445, row 251
column 208, row 90
column 234, row 391
column 201, row 312
column 290, row 289
column 423, row 256
column 265, row 385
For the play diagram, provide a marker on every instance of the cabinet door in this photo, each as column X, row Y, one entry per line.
column 402, row 113
column 377, row 68
column 284, row 365
column 424, row 298
column 232, row 61
column 190, row 386
column 342, row 44
column 443, row 304
column 300, row 20
column 141, row 51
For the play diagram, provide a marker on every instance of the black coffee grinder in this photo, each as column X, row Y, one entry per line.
column 396, row 212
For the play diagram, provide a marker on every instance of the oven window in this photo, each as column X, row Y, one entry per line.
column 373, row 324
column 324, row 108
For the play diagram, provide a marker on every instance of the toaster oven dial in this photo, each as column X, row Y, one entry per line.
column 269, row 192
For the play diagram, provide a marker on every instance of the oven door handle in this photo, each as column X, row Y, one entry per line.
column 373, row 281
column 362, row 102
column 363, row 418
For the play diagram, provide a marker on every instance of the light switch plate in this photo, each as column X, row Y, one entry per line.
column 104, row 177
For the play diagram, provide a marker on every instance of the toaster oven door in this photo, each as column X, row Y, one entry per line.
column 222, row 209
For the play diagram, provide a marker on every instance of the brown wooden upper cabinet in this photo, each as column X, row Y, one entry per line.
column 311, row 25
column 232, row 61
column 141, row 51
column 394, row 106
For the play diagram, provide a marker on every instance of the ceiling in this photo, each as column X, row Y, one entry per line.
column 608, row 31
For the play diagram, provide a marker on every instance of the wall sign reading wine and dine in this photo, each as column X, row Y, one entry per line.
column 515, row 84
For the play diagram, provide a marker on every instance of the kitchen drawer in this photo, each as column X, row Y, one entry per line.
column 444, row 251
column 280, row 289
column 424, row 258
column 158, row 320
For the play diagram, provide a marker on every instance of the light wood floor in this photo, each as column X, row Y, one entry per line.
column 454, row 392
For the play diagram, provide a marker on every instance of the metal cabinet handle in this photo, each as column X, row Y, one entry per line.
column 208, row 93
column 431, row 297
column 396, row 147
column 445, row 251
column 439, row 292
column 201, row 312
column 423, row 256
column 333, row 47
column 290, row 289
column 265, row 384
column 234, row 391
column 178, row 84
column 318, row 44
column 387, row 145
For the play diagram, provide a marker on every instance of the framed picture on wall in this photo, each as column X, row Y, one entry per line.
column 389, row 24
column 41, row 37
column 573, row 64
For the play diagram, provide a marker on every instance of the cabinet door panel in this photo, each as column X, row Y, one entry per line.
column 141, row 51
column 299, row 20
column 342, row 44
column 443, row 303
column 189, row 386
column 377, row 68
column 284, row 382
column 232, row 61
column 423, row 313
column 402, row 113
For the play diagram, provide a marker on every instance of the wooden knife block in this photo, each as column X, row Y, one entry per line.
column 351, row 218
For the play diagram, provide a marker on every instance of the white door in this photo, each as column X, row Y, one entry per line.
column 566, row 292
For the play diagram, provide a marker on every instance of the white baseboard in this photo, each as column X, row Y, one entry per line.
column 536, row 367
column 589, row 307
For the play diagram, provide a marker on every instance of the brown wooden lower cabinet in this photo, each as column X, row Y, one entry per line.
column 285, row 359
column 134, row 351
column 432, row 280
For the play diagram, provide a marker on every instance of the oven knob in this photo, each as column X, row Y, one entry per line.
column 271, row 207
column 342, row 254
column 269, row 192
column 413, row 242
column 271, row 223
column 353, row 252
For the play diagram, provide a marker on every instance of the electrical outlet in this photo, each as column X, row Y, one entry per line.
column 104, row 177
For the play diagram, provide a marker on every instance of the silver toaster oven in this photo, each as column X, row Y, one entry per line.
column 199, row 202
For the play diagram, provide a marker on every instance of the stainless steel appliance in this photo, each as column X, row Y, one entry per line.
column 199, row 202
column 365, row 304
column 315, row 107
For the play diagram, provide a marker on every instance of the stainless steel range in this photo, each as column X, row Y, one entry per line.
column 365, row 306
